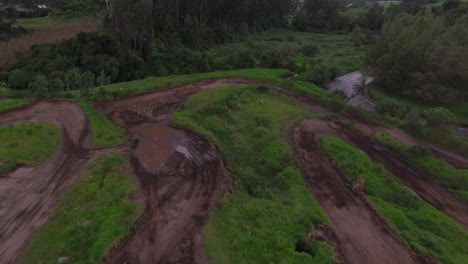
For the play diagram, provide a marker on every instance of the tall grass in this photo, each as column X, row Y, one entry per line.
column 10, row 48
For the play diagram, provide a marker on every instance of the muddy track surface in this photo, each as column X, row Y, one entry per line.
column 30, row 194
column 183, row 181
column 182, row 177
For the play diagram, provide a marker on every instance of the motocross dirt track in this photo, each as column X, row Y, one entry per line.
column 183, row 179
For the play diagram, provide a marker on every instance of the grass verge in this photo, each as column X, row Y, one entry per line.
column 27, row 144
column 271, row 209
column 456, row 180
column 92, row 215
column 105, row 134
column 424, row 229
column 11, row 103
column 152, row 84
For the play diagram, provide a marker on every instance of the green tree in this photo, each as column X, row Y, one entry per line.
column 422, row 57
column 19, row 79
column 40, row 87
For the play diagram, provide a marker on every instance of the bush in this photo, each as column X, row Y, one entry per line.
column 40, row 87
column 310, row 50
column 4, row 90
column 419, row 151
column 319, row 74
column 392, row 109
column 439, row 117
column 291, row 38
column 19, row 79
column 450, row 4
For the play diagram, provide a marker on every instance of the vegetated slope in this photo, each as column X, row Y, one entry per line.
column 270, row 217
column 421, row 226
column 93, row 214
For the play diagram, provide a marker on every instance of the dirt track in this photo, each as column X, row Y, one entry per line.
column 181, row 188
column 31, row 194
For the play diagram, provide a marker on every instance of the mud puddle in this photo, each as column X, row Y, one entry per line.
column 184, row 179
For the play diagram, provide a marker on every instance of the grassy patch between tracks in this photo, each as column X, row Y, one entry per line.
column 422, row 227
column 271, row 209
column 27, row 144
column 92, row 215
column 105, row 134
column 456, row 180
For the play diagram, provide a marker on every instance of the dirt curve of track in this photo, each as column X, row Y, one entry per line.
column 183, row 179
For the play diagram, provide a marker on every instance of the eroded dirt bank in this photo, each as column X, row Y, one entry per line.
column 184, row 179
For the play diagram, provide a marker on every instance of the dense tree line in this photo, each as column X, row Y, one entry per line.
column 422, row 56
column 196, row 23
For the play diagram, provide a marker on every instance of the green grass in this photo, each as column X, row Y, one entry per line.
column 423, row 228
column 456, row 180
column 152, row 84
column 100, row 197
column 43, row 22
column 459, row 109
column 335, row 50
column 11, row 103
column 271, row 209
column 105, row 134
column 27, row 144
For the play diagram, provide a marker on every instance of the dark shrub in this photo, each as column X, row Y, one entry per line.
column 310, row 50
column 319, row 74
column 19, row 79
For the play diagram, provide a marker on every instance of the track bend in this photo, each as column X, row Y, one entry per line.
column 30, row 194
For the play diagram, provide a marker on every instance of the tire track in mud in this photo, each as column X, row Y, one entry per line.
column 180, row 188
